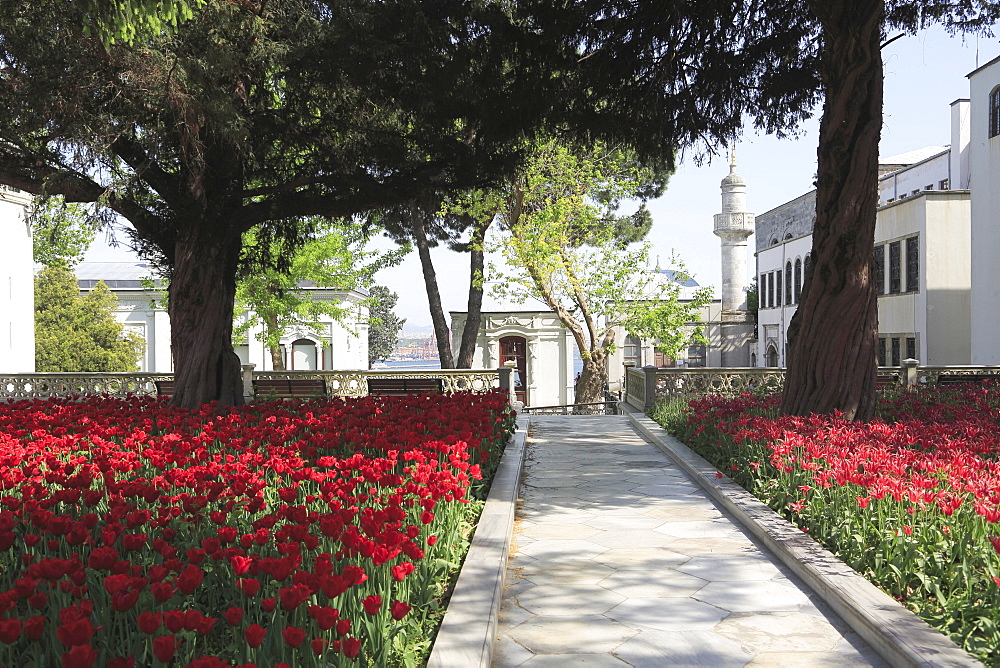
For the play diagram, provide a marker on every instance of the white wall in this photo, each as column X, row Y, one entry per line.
column 984, row 164
column 918, row 177
column 17, row 286
column 772, row 322
column 550, row 349
column 337, row 346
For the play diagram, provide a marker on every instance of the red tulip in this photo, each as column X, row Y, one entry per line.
column 398, row 610
column 150, row 622
column 293, row 636
column 233, row 616
column 254, row 635
column 164, row 648
column 79, row 656
column 10, row 630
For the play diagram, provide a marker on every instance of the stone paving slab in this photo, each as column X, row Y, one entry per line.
column 619, row 559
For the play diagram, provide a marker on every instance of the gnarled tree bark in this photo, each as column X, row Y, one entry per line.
column 201, row 303
column 832, row 336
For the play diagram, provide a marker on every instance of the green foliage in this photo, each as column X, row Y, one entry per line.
column 569, row 248
column 129, row 20
column 79, row 333
column 383, row 325
column 61, row 231
column 334, row 257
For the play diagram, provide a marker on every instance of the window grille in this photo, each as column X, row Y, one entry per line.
column 911, row 347
column 632, row 351
column 788, row 282
column 894, row 266
column 913, row 264
column 880, row 269
column 777, row 280
column 881, row 351
column 995, row 112
column 895, row 351
column 798, row 279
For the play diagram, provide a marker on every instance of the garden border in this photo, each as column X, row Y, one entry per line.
column 468, row 631
column 902, row 638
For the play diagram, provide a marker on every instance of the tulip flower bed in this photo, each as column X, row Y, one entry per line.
column 910, row 500
column 288, row 533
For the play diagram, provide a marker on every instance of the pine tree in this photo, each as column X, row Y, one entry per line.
column 258, row 115
column 79, row 333
column 383, row 325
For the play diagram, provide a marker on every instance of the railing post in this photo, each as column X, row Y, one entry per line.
column 649, row 392
column 248, row 381
column 909, row 372
column 506, row 372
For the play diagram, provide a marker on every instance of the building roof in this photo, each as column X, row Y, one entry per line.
column 911, row 157
column 676, row 277
column 130, row 275
column 116, row 275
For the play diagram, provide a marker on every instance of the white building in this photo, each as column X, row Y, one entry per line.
column 536, row 341
column 922, row 257
column 984, row 164
column 545, row 353
column 328, row 344
column 17, row 285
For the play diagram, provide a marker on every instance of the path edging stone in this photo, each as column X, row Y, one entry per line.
column 468, row 631
column 897, row 634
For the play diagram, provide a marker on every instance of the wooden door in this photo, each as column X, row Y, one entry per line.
column 515, row 348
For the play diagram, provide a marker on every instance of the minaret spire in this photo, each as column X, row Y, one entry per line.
column 733, row 225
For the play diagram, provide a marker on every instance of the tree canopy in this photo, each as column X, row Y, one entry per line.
column 61, row 232
column 75, row 332
column 566, row 245
column 257, row 115
column 333, row 256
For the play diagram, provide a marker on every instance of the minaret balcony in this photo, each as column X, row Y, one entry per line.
column 735, row 224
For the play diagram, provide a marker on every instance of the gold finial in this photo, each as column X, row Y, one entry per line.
column 732, row 155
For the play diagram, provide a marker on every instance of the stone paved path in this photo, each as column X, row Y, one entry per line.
column 620, row 560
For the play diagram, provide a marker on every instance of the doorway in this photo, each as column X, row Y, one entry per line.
column 514, row 348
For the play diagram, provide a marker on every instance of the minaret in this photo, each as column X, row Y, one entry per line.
column 733, row 226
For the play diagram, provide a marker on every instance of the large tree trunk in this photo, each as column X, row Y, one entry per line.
column 477, row 266
column 202, row 296
column 441, row 330
column 273, row 333
column 832, row 337
column 593, row 379
column 277, row 359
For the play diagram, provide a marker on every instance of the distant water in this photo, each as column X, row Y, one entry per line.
column 414, row 364
column 434, row 364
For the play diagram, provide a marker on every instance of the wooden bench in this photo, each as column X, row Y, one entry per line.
column 289, row 388
column 886, row 380
column 398, row 387
column 963, row 378
column 164, row 388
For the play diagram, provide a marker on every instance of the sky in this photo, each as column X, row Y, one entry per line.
column 924, row 74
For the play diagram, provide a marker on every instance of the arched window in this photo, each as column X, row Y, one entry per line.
column 788, row 236
column 771, row 356
column 805, row 265
column 788, row 283
column 798, row 279
column 774, row 241
column 304, row 355
column 995, row 112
